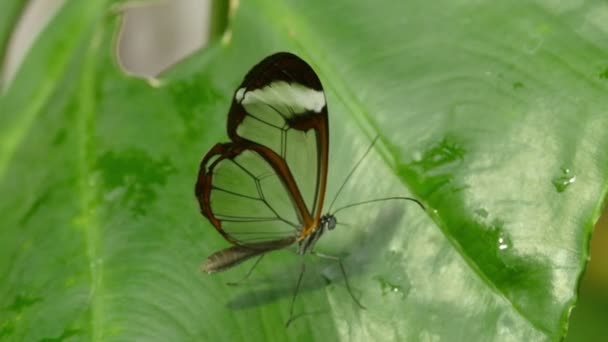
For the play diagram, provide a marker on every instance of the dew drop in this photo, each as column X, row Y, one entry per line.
column 503, row 242
column 434, row 213
column 388, row 287
column 563, row 181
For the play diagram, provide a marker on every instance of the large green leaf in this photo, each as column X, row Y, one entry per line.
column 493, row 114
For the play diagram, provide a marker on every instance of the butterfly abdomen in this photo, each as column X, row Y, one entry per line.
column 234, row 255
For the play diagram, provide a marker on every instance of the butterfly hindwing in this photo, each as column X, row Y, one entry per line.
column 243, row 196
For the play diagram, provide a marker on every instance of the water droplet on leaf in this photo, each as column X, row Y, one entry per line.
column 503, row 242
column 388, row 287
column 563, row 181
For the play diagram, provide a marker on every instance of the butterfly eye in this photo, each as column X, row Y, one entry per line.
column 331, row 222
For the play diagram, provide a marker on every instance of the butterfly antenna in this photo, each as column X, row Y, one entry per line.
column 380, row 200
column 352, row 171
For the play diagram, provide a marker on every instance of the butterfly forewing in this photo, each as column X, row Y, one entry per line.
column 302, row 157
column 268, row 183
column 281, row 105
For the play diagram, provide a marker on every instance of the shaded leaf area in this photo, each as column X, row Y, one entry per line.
column 491, row 114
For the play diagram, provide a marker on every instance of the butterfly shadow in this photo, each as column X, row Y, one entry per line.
column 280, row 283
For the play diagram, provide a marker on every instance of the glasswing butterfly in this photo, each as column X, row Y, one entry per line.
column 265, row 189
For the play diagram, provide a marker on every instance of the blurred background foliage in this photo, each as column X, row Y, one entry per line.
column 588, row 321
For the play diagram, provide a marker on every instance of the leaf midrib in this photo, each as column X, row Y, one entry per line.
column 86, row 129
column 362, row 119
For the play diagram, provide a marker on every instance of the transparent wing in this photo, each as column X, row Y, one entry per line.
column 281, row 105
column 244, row 196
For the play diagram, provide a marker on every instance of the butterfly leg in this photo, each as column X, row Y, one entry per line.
column 257, row 261
column 337, row 259
column 295, row 294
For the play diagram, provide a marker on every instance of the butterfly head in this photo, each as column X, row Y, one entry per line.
column 328, row 222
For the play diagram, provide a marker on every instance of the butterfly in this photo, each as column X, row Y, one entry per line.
column 265, row 189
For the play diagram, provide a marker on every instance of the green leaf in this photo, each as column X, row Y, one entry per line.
column 492, row 114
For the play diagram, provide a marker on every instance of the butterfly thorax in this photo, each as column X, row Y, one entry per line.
column 327, row 222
